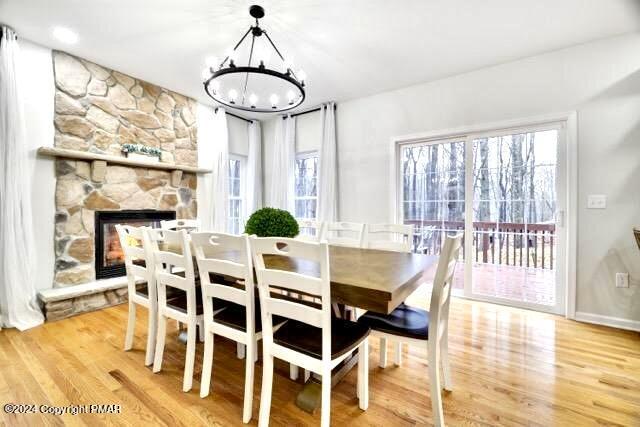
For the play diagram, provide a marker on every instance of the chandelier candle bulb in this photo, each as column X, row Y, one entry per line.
column 233, row 95
column 212, row 62
column 274, row 100
column 291, row 97
column 253, row 99
column 253, row 68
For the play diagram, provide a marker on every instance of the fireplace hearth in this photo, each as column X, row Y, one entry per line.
column 109, row 259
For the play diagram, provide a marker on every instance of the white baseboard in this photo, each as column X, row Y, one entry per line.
column 614, row 322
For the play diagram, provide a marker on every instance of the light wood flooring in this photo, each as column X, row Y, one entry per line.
column 510, row 367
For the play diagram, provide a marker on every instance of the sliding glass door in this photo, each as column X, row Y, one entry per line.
column 433, row 188
column 513, row 182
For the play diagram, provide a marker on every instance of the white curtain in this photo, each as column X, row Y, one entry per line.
column 213, row 153
column 254, row 170
column 282, row 187
column 328, row 166
column 18, row 305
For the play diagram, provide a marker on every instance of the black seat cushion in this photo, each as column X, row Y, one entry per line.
column 143, row 290
column 307, row 339
column 235, row 316
column 179, row 302
column 405, row 321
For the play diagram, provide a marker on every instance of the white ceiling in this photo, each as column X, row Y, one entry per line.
column 348, row 48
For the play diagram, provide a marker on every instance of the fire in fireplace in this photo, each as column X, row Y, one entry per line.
column 109, row 256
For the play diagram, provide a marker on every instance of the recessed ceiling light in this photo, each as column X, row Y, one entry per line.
column 65, row 35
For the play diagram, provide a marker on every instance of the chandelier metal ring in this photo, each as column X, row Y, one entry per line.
column 283, row 85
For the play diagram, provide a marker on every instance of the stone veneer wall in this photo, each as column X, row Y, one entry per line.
column 98, row 110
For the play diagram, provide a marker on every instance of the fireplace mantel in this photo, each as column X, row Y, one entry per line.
column 86, row 155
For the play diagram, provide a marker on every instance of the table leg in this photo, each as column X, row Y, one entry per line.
column 310, row 396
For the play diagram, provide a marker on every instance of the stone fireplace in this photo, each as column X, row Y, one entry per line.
column 97, row 111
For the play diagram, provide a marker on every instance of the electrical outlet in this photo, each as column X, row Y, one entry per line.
column 622, row 280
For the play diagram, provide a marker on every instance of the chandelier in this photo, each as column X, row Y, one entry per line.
column 262, row 85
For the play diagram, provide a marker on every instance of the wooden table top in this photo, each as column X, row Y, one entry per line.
column 365, row 278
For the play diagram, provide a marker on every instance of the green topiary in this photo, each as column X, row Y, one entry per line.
column 272, row 222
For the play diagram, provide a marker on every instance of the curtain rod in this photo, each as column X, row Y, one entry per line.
column 237, row 117
column 313, row 110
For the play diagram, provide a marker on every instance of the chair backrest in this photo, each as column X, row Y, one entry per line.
column 173, row 263
column 344, row 233
column 138, row 259
column 220, row 254
column 442, row 284
column 180, row 224
column 310, row 230
column 388, row 237
column 280, row 253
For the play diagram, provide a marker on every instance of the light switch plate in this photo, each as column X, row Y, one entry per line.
column 622, row 280
column 597, row 201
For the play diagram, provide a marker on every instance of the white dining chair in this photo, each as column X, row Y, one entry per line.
column 141, row 285
column 240, row 320
column 180, row 224
column 311, row 338
column 426, row 329
column 388, row 237
column 343, row 234
column 175, row 274
column 310, row 230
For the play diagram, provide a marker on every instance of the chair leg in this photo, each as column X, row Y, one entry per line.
column 190, row 357
column 267, row 384
column 161, row 335
column 398, row 355
column 293, row 371
column 152, row 331
column 201, row 330
column 444, row 362
column 325, row 414
column 435, row 386
column 131, row 325
column 363, row 375
column 248, row 383
column 383, row 353
column 207, row 364
column 240, row 350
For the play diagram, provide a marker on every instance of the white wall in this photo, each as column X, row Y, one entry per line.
column 37, row 86
column 238, row 136
column 599, row 80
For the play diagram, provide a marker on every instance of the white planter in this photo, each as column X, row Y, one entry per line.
column 143, row 158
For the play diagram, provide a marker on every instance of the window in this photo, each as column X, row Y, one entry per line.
column 235, row 219
column 306, row 197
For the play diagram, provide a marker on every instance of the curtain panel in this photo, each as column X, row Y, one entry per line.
column 18, row 305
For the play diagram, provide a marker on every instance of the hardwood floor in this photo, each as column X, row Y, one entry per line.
column 510, row 367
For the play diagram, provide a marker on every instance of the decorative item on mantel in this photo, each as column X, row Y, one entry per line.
column 142, row 153
column 636, row 232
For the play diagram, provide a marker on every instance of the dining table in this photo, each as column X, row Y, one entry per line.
column 368, row 279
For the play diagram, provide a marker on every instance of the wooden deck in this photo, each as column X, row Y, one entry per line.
column 510, row 367
column 530, row 285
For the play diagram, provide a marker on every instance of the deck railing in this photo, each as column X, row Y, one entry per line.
column 515, row 244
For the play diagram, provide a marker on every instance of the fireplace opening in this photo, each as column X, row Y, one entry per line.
column 109, row 256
